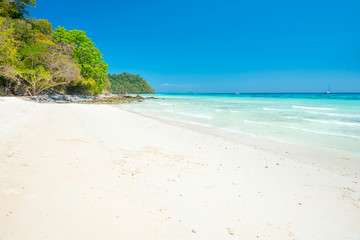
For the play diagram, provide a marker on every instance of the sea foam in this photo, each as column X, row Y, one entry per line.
column 317, row 108
column 351, row 124
column 322, row 132
column 335, row 114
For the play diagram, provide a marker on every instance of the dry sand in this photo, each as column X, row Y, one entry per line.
column 97, row 172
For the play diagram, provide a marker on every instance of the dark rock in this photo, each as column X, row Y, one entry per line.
column 138, row 97
column 57, row 97
column 53, row 97
column 114, row 99
column 67, row 98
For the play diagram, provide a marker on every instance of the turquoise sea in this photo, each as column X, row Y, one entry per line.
column 327, row 121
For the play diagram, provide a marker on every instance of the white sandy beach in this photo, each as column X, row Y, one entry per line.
column 73, row 171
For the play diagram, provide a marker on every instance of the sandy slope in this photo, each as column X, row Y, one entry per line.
column 97, row 172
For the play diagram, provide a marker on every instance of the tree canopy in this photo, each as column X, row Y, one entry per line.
column 128, row 83
column 31, row 62
column 34, row 58
column 8, row 44
column 45, row 67
column 15, row 9
column 89, row 58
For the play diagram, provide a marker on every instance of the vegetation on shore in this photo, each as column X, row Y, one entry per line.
column 128, row 83
column 35, row 59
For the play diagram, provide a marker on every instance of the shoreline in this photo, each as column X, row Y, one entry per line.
column 335, row 160
column 85, row 99
column 77, row 171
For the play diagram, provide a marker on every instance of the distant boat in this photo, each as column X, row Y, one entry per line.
column 328, row 91
column 236, row 93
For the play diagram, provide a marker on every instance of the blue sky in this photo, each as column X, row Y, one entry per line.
column 222, row 46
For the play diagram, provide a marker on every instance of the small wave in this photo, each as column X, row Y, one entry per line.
column 333, row 122
column 194, row 123
column 335, row 114
column 291, row 117
column 194, row 115
column 317, row 108
column 184, row 121
column 277, row 139
column 275, row 109
column 322, row 132
column 221, row 110
column 238, row 131
column 256, row 122
column 254, row 135
column 232, row 130
column 165, row 104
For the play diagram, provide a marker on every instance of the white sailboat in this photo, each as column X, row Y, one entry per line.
column 328, row 91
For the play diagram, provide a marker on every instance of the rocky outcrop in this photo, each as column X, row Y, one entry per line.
column 59, row 98
column 89, row 99
column 114, row 99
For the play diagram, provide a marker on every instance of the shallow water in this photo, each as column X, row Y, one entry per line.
column 330, row 121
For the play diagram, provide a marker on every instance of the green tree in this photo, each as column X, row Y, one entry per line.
column 8, row 44
column 47, row 67
column 128, row 83
column 88, row 57
column 31, row 55
column 8, row 51
column 15, row 9
column 43, row 26
column 43, row 67
column 23, row 31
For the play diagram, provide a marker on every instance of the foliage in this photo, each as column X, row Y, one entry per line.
column 43, row 39
column 15, row 9
column 23, row 31
column 42, row 67
column 45, row 67
column 43, row 26
column 8, row 51
column 128, row 83
column 89, row 58
column 30, row 55
column 8, row 45
column 34, row 58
